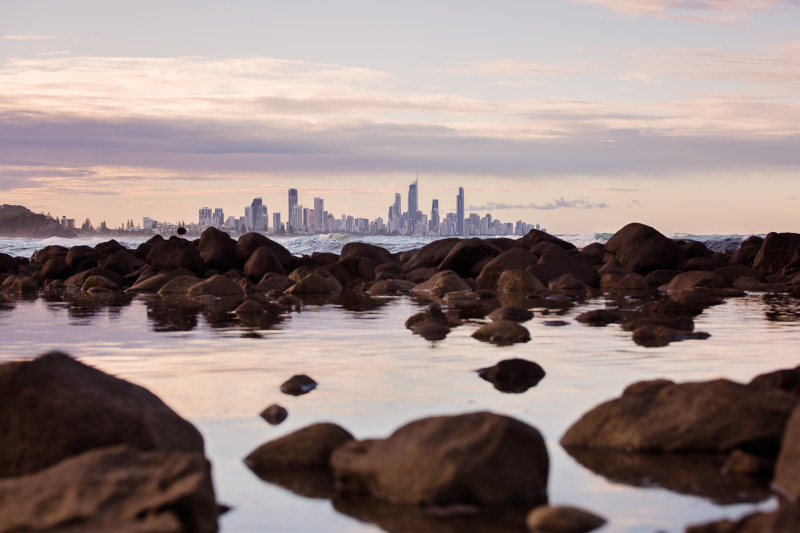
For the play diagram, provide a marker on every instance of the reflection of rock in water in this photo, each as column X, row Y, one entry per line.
column 693, row 474
column 358, row 301
column 307, row 482
column 87, row 305
column 452, row 519
column 781, row 308
column 172, row 315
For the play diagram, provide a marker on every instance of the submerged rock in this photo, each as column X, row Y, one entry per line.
column 502, row 332
column 513, row 375
column 309, row 447
column 274, row 414
column 562, row 519
column 298, row 385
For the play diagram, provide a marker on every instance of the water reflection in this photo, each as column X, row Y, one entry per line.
column 693, row 474
column 781, row 308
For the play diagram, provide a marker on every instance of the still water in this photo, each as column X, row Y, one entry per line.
column 374, row 376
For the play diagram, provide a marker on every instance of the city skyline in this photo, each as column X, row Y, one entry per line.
column 585, row 114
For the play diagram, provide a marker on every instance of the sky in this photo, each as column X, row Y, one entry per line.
column 579, row 115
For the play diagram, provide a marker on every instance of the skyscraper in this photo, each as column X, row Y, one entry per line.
column 460, row 212
column 434, row 226
column 413, row 204
column 319, row 209
column 397, row 209
column 292, row 203
column 205, row 217
column 259, row 214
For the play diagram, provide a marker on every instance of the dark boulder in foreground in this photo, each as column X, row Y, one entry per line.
column 784, row 379
column 662, row 416
column 477, row 458
column 250, row 242
column 298, row 385
column 780, row 253
column 309, row 447
column 116, row 488
column 535, row 236
column 54, row 407
column 176, row 253
column 218, row 250
column 562, row 519
column 513, row 375
column 642, row 249
column 787, row 469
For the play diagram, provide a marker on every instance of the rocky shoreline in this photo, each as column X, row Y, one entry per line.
column 439, row 468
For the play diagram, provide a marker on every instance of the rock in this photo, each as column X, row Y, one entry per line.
column 657, row 278
column 465, row 254
column 250, row 242
column 785, row 520
column 554, row 266
column 298, row 385
column 568, row 283
column 21, row 286
column 82, row 257
column 419, row 275
column 535, row 236
column 274, row 414
column 730, row 273
column 593, row 254
column 218, row 250
column 8, row 264
column 440, row 284
column 502, row 332
column 653, row 335
column 390, row 287
column 143, row 249
column 273, row 282
column 354, row 269
column 49, row 252
column 513, row 258
column 310, row 447
column 599, row 317
column 376, row 254
column 109, row 247
column 216, row 285
column 117, row 488
column 263, row 261
column 431, row 331
column 176, row 253
column 787, row 470
column 475, row 459
column 179, row 286
column 742, row 463
column 695, row 279
column 642, row 249
column 747, row 252
column 513, row 375
column 150, row 285
column 708, row 264
column 786, row 380
column 431, row 255
column 662, row 416
column 56, row 268
column 122, row 262
column 562, row 519
column 511, row 312
column 431, row 324
column 779, row 251
column 80, row 278
column 99, row 283
column 518, row 281
column 312, row 284
column 543, row 249
column 324, row 258
column 54, row 407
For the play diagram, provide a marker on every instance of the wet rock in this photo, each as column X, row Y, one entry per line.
column 56, row 268
column 465, row 254
column 262, row 261
column 353, row 268
column 99, row 283
column 696, row 279
column 109, row 247
column 662, row 416
column 312, row 284
column 555, row 323
column 642, row 249
column 502, row 332
column 143, row 249
column 8, row 264
column 542, row 249
column 274, row 414
column 149, row 285
column 82, row 257
column 298, row 385
column 661, row 277
column 551, row 267
column 680, row 322
column 593, row 254
column 654, row 335
column 390, row 270
column 708, row 264
column 420, row 275
column 218, row 250
column 786, row 380
column 376, row 254
column 324, row 258
column 568, row 283
column 431, row 255
column 513, row 375
column 472, row 304
column 518, row 281
column 730, row 273
column 179, row 286
column 740, row 462
column 629, row 282
column 122, row 262
column 217, row 285
column 176, row 253
column 117, row 488
column 599, row 317
column 780, row 251
column 562, row 519
column 535, row 236
column 21, row 285
column 390, row 287
column 440, row 284
column 80, row 278
column 477, row 458
column 513, row 258
column 432, row 331
column 432, row 324
column 54, row 406
column 49, row 252
column 250, row 242
column 273, row 282
column 747, row 252
column 310, row 447
column 785, row 520
column 787, row 469
column 511, row 312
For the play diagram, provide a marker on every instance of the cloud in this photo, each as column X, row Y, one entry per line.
column 503, row 67
column 556, row 203
column 696, row 10
column 29, row 37
column 615, row 189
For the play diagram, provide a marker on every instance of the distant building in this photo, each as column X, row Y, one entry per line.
column 205, row 217
column 319, row 216
column 277, row 226
column 218, row 218
column 460, row 212
column 413, row 198
column 292, row 203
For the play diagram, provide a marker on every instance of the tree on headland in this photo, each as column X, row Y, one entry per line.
column 87, row 225
column 19, row 221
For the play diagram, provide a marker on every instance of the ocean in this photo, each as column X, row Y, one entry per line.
column 374, row 375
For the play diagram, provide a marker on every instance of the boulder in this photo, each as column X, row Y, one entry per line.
column 502, row 332
column 477, row 458
column 656, row 335
column 746, row 464
column 54, row 407
column 730, row 273
column 629, row 282
column 513, row 375
column 273, row 282
column 642, row 249
column 700, row 263
column 695, row 279
column 56, row 268
column 787, row 470
column 80, row 278
column 21, row 285
column 117, row 488
column 599, row 317
column 466, row 254
column 82, row 257
column 122, row 262
column 218, row 250
column 274, row 414
column 440, row 284
column 324, row 258
column 593, row 254
column 786, row 380
column 662, row 416
column 176, row 253
column 313, row 284
column 568, row 283
column 431, row 255
column 49, row 252
column 562, row 519
column 747, row 251
column 309, row 447
column 262, row 261
column 535, row 236
column 99, row 283
column 150, row 285
column 109, row 247
column 216, row 285
column 657, row 278
column 511, row 312
column 143, row 249
column 298, row 385
column 780, row 251
column 419, row 275
column 250, row 242
column 8, row 264
column 518, row 281
column 552, row 266
column 432, row 324
column 513, row 258
column 179, row 286
column 376, row 254
column 388, row 287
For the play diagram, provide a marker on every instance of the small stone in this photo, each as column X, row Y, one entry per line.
column 274, row 414
column 502, row 332
column 298, row 384
column 562, row 519
column 513, row 375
